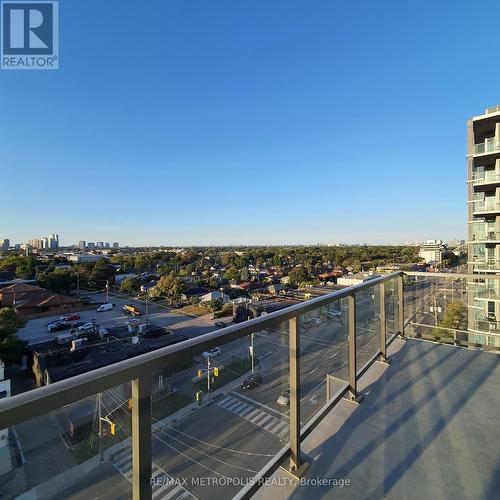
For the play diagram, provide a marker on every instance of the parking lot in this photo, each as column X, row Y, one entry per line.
column 35, row 330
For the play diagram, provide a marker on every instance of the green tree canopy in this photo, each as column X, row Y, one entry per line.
column 11, row 348
column 130, row 285
column 298, row 275
column 58, row 280
column 168, row 287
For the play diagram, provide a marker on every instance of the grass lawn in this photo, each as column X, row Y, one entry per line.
column 166, row 404
column 194, row 310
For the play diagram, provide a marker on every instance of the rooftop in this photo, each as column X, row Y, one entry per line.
column 427, row 428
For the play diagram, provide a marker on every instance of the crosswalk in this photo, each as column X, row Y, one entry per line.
column 256, row 416
column 163, row 485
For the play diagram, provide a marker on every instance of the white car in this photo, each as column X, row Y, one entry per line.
column 86, row 327
column 212, row 353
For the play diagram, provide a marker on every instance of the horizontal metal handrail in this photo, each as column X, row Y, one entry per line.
column 45, row 399
column 480, row 179
column 488, row 146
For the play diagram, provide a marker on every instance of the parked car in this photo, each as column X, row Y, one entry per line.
column 86, row 327
column 105, row 307
column 212, row 353
column 252, row 381
column 334, row 314
column 57, row 325
column 220, row 324
column 284, row 398
column 70, row 317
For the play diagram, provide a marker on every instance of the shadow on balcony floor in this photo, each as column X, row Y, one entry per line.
column 427, row 428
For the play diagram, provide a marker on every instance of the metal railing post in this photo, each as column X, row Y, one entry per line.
column 353, row 391
column 401, row 311
column 294, row 348
column 141, row 438
column 297, row 465
column 383, row 325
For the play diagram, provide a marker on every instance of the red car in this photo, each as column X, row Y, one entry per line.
column 71, row 317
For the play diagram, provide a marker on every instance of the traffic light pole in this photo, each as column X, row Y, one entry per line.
column 208, row 377
column 252, row 351
column 100, row 427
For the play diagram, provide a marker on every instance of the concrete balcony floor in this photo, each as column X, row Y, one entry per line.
column 427, row 428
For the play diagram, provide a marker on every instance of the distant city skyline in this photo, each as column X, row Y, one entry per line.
column 275, row 124
column 112, row 244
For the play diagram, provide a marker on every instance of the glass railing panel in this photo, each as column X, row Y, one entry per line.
column 367, row 324
column 79, row 451
column 323, row 353
column 220, row 416
column 391, row 307
column 436, row 307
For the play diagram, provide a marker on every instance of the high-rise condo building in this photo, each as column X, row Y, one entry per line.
column 483, row 225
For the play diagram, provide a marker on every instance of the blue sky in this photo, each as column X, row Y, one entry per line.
column 224, row 122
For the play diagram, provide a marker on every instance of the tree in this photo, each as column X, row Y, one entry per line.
column 169, row 287
column 244, row 274
column 130, row 285
column 11, row 348
column 454, row 319
column 58, row 280
column 101, row 272
column 298, row 275
column 231, row 273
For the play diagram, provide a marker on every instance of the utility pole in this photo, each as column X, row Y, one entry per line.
column 100, row 427
column 208, row 378
column 147, row 306
column 252, row 351
column 107, row 291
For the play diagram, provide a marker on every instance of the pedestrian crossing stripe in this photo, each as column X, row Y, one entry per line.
column 169, row 490
column 269, row 423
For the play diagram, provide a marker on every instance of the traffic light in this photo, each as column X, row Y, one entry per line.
column 216, row 372
column 113, row 428
column 200, row 373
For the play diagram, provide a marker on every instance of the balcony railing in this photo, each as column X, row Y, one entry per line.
column 486, row 206
column 488, row 265
column 488, row 146
column 487, row 236
column 349, row 329
column 485, row 326
column 485, row 177
column 314, row 353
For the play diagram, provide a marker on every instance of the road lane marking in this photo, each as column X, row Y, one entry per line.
column 267, row 422
column 271, row 424
column 250, row 415
column 257, row 403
